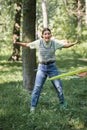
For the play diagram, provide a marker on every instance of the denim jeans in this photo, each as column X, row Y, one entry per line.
column 43, row 71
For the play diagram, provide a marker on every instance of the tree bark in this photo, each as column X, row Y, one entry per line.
column 86, row 11
column 79, row 19
column 29, row 56
column 16, row 33
column 44, row 12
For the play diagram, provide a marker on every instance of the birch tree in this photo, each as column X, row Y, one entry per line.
column 86, row 11
column 44, row 12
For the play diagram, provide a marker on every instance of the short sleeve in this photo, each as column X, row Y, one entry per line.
column 34, row 45
column 59, row 44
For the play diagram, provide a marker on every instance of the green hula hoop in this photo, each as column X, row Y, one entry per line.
column 68, row 74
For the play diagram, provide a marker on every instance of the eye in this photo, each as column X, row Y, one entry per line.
column 46, row 33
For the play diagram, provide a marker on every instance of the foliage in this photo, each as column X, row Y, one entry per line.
column 15, row 101
column 6, row 22
column 62, row 15
column 62, row 22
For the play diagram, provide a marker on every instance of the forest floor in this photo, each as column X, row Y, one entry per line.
column 15, row 100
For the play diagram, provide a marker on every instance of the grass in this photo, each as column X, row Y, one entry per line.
column 15, row 101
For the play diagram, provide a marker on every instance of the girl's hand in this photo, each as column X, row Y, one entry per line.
column 82, row 74
column 75, row 42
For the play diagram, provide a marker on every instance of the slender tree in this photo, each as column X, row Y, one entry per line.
column 44, row 12
column 86, row 11
column 29, row 56
column 79, row 15
column 76, row 11
column 16, row 33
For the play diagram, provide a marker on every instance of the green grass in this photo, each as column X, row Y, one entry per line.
column 15, row 101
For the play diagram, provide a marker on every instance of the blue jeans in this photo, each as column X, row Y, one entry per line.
column 43, row 71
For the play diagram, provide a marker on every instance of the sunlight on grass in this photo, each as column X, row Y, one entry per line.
column 9, row 71
column 2, row 112
column 76, row 123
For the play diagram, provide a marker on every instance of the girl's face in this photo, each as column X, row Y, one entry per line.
column 46, row 36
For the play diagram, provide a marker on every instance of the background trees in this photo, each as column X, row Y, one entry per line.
column 16, row 32
column 62, row 16
column 65, row 18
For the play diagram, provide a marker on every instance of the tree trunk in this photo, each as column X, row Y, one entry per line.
column 44, row 12
column 79, row 19
column 29, row 56
column 16, row 33
column 86, row 11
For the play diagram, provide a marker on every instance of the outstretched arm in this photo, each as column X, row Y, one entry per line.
column 22, row 44
column 67, row 45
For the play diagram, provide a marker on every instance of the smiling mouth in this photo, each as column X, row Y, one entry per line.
column 47, row 38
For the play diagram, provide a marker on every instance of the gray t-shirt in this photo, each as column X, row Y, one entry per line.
column 46, row 51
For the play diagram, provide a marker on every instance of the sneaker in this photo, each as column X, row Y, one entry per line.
column 32, row 110
column 63, row 106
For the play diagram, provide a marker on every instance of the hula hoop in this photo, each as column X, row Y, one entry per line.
column 69, row 74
